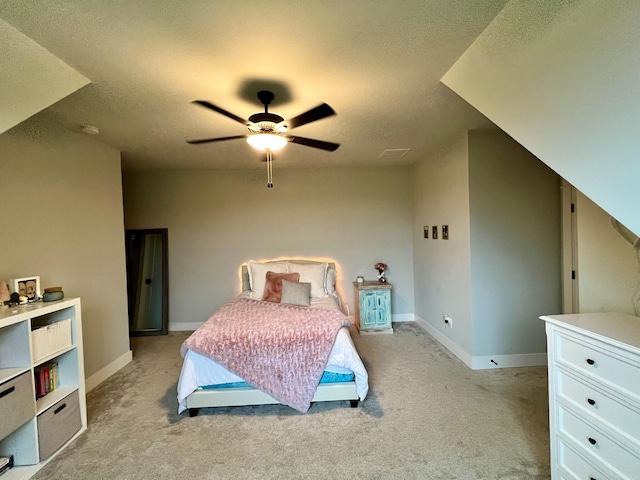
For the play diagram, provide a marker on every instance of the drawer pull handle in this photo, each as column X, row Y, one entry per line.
column 592, row 441
column 7, row 391
column 590, row 361
column 62, row 407
column 591, row 401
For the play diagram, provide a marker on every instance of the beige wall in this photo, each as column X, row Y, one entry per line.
column 515, row 245
column 62, row 209
column 608, row 274
column 442, row 272
column 500, row 268
column 218, row 220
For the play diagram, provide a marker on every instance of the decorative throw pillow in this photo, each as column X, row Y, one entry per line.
column 296, row 293
column 313, row 273
column 257, row 275
column 273, row 285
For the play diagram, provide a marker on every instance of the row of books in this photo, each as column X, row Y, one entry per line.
column 47, row 379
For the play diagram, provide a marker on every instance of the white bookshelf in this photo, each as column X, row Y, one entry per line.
column 16, row 350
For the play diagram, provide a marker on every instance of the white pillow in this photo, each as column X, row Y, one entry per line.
column 313, row 273
column 258, row 275
column 330, row 283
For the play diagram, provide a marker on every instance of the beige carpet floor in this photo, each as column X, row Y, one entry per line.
column 427, row 416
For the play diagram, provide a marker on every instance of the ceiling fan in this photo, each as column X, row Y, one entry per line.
column 268, row 131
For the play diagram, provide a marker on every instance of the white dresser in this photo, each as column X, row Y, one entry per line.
column 594, row 396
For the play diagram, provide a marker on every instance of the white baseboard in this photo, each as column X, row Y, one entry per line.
column 184, row 327
column 101, row 375
column 403, row 317
column 483, row 362
column 449, row 344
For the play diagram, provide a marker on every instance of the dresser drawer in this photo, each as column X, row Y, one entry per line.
column 593, row 443
column 573, row 466
column 17, row 403
column 600, row 361
column 603, row 407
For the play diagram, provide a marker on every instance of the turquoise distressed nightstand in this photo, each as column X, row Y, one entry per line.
column 373, row 307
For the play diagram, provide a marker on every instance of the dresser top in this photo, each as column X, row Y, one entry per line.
column 620, row 327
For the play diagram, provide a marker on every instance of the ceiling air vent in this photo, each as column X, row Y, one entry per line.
column 394, row 152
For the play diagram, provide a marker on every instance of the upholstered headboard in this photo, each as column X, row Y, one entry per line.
column 245, row 272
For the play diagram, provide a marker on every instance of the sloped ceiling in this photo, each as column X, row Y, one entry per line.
column 377, row 63
column 562, row 79
column 32, row 78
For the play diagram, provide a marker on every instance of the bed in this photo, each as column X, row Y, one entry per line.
column 309, row 355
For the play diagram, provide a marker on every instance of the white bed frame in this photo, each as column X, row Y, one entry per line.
column 242, row 396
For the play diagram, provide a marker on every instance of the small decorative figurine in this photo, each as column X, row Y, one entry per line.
column 381, row 268
column 5, row 295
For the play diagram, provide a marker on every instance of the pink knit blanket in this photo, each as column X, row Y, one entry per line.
column 277, row 348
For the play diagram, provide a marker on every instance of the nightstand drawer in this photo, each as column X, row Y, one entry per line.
column 601, row 362
column 605, row 408
column 575, row 466
column 594, row 444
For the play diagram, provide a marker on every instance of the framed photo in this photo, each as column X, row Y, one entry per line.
column 27, row 286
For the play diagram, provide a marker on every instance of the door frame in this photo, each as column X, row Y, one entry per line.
column 570, row 298
column 165, row 280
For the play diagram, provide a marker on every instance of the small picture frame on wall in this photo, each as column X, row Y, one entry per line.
column 27, row 286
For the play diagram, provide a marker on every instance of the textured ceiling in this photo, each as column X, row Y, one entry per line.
column 377, row 63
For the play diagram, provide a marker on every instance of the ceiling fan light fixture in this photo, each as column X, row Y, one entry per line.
column 266, row 141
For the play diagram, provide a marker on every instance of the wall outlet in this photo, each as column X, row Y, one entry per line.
column 448, row 320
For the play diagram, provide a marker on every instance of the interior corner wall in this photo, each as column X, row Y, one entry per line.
column 442, row 267
column 562, row 79
column 515, row 245
column 217, row 220
column 608, row 272
column 62, row 203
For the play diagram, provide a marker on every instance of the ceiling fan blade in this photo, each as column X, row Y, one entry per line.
column 211, row 106
column 310, row 142
column 317, row 113
column 211, row 140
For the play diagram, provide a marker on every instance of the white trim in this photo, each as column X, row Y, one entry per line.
column 184, row 327
column 403, row 317
column 101, row 375
column 449, row 344
column 483, row 362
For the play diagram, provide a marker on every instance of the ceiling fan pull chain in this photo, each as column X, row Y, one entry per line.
column 269, row 169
